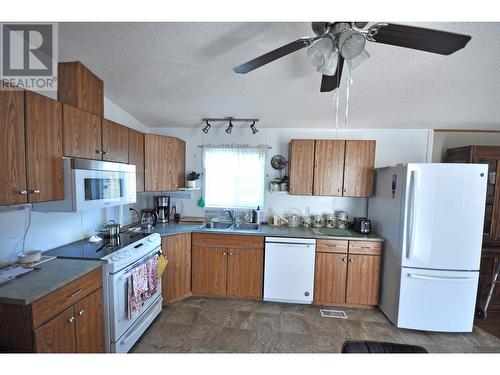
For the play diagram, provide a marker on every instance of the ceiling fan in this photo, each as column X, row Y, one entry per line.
column 337, row 42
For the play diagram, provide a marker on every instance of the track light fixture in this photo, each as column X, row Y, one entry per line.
column 230, row 127
column 254, row 129
column 206, row 128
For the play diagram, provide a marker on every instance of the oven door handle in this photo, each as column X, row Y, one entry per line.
column 142, row 260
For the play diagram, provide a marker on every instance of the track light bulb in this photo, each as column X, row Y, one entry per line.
column 206, row 128
column 254, row 129
column 229, row 128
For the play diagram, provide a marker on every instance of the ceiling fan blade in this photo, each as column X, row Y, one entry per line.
column 428, row 40
column 273, row 55
column 360, row 25
column 330, row 83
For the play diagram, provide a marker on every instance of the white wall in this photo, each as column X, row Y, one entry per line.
column 444, row 140
column 49, row 230
column 393, row 146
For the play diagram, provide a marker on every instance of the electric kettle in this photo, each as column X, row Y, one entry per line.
column 149, row 218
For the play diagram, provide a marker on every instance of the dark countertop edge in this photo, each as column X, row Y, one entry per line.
column 27, row 301
column 174, row 231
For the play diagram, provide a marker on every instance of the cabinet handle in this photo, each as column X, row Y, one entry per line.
column 71, row 320
column 350, row 260
column 230, row 254
column 224, row 253
column 344, row 260
column 105, row 152
column 36, row 191
column 75, row 293
column 80, row 313
column 365, row 247
column 98, row 151
column 23, row 192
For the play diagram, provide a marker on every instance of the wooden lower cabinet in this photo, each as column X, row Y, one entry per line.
column 89, row 324
column 228, row 265
column 58, row 334
column 347, row 274
column 176, row 281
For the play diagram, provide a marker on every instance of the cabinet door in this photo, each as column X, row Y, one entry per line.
column 13, row 189
column 89, row 323
column 245, row 272
column 330, row 278
column 136, row 156
column 172, row 164
column 176, row 281
column 301, row 166
column 44, row 148
column 155, row 163
column 81, row 133
column 114, row 142
column 329, row 167
column 363, row 279
column 57, row 335
column 181, row 163
column 358, row 168
column 209, row 270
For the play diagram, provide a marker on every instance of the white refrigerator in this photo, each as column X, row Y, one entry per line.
column 431, row 217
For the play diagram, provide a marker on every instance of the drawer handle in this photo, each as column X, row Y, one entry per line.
column 79, row 290
column 36, row 191
column 23, row 192
column 80, row 313
column 105, row 152
column 71, row 320
column 350, row 260
column 365, row 247
column 344, row 260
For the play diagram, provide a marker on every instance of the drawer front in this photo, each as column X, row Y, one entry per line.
column 47, row 307
column 233, row 241
column 365, row 247
column 331, row 246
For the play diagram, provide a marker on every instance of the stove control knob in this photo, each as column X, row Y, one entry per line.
column 114, row 257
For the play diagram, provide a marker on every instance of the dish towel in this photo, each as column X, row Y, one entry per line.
column 142, row 284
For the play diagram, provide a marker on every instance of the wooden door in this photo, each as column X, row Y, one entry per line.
column 44, row 148
column 329, row 167
column 358, row 168
column 176, row 280
column 301, row 166
column 89, row 323
column 13, row 189
column 181, row 163
column 114, row 142
column 155, row 163
column 136, row 156
column 81, row 134
column 330, row 278
column 363, row 276
column 209, row 270
column 245, row 273
column 57, row 335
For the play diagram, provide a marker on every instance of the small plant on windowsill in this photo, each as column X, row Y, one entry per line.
column 192, row 179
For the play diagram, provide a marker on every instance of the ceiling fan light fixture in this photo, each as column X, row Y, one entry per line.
column 330, row 66
column 229, row 128
column 319, row 53
column 254, row 129
column 351, row 44
column 358, row 60
column 206, row 128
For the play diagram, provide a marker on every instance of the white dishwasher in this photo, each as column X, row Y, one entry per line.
column 289, row 269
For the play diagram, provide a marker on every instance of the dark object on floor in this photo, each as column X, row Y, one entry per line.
column 379, row 347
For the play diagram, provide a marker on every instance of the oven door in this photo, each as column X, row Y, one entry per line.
column 97, row 189
column 119, row 322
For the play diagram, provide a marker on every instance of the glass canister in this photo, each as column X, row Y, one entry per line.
column 330, row 220
column 317, row 221
column 306, row 221
column 342, row 219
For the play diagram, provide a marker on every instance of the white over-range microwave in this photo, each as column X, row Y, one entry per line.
column 90, row 184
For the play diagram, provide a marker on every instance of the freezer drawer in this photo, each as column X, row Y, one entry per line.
column 441, row 301
column 289, row 271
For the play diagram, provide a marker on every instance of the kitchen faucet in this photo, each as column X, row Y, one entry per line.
column 232, row 214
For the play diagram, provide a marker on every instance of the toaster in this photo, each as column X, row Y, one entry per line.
column 362, row 225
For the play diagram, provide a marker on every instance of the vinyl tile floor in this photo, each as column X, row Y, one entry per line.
column 215, row 325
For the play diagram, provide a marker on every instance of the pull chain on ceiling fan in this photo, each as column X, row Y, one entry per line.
column 338, row 42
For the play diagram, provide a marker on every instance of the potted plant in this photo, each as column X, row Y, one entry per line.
column 192, row 179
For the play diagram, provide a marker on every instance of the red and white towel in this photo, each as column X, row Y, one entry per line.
column 142, row 284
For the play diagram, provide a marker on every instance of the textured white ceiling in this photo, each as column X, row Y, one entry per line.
column 172, row 74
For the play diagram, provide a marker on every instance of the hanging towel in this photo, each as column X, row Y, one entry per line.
column 133, row 302
column 140, row 279
column 152, row 275
column 142, row 284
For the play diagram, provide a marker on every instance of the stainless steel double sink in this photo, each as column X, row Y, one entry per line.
column 230, row 226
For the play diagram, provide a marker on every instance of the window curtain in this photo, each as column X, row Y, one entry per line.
column 234, row 175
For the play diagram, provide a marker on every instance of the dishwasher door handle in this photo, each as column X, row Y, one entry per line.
column 288, row 244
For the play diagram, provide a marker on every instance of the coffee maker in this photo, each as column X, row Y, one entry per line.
column 163, row 208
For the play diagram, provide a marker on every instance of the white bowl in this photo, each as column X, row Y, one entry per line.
column 29, row 256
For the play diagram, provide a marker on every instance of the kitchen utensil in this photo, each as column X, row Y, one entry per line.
column 110, row 230
column 29, row 256
column 330, row 220
column 163, row 208
column 362, row 225
column 318, row 221
column 149, row 218
column 342, row 219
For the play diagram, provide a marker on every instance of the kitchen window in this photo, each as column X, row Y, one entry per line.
column 234, row 176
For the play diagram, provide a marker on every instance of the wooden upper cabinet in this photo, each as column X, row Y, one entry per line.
column 363, row 279
column 329, row 167
column 44, row 148
column 114, row 142
column 155, row 165
column 79, row 87
column 136, row 156
column 57, row 335
column 89, row 323
column 81, row 134
column 301, row 166
column 358, row 168
column 209, row 270
column 13, row 189
column 181, row 163
column 245, row 268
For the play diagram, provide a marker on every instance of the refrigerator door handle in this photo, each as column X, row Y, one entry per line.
column 410, row 212
column 441, row 278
